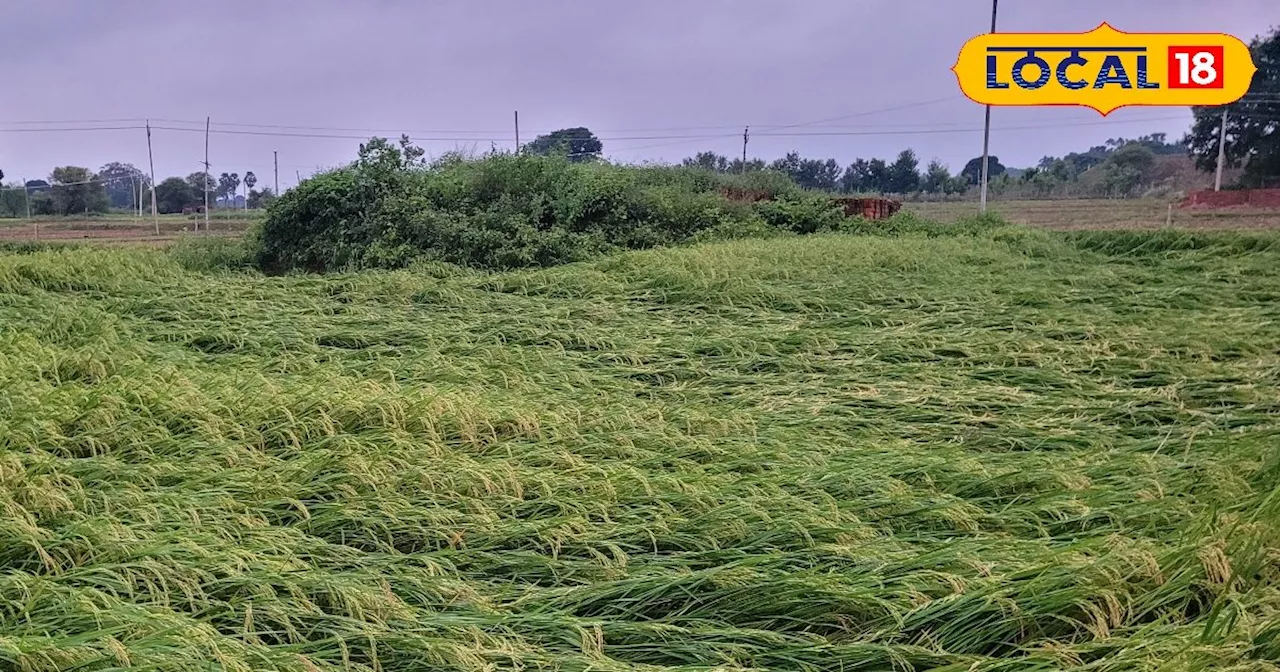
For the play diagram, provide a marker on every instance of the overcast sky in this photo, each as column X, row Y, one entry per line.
column 637, row 73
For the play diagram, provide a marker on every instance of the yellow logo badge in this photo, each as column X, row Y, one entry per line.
column 1104, row 69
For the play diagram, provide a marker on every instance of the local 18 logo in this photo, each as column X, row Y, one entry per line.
column 1104, row 69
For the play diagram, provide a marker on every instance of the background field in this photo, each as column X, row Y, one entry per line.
column 1012, row 450
column 1064, row 214
column 117, row 228
column 1095, row 214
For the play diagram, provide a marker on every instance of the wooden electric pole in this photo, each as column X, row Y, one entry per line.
column 207, row 177
column 1222, row 151
column 155, row 216
column 517, row 131
column 26, row 195
column 746, row 135
column 986, row 133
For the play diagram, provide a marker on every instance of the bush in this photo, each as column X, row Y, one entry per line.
column 802, row 213
column 502, row 211
column 388, row 209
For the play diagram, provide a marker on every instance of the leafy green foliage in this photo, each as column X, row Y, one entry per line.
column 261, row 198
column 13, row 202
column 124, row 184
column 811, row 174
column 972, row 171
column 1253, row 122
column 508, row 211
column 176, row 194
column 228, row 184
column 802, row 213
column 1126, row 168
column 76, row 191
column 578, row 145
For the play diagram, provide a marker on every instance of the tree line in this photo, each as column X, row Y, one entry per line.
column 1118, row 168
column 75, row 190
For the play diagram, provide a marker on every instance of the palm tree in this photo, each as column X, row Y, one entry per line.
column 249, row 180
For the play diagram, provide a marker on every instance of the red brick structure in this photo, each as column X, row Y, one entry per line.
column 1258, row 198
column 748, row 195
column 869, row 208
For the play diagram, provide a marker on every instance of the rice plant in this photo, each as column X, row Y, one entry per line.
column 999, row 450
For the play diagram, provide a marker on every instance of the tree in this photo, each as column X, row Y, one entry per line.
column 904, row 174
column 13, row 202
column 1253, row 122
column 201, row 182
column 224, row 186
column 878, row 175
column 176, row 194
column 380, row 157
column 937, row 178
column 36, row 186
column 855, row 177
column 124, row 184
column 76, row 191
column 249, row 180
column 809, row 173
column 578, row 144
column 42, row 203
column 820, row 175
column 707, row 161
column 1126, row 168
column 752, row 166
column 973, row 170
column 228, row 184
column 260, row 199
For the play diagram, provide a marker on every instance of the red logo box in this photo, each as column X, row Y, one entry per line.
column 1195, row 67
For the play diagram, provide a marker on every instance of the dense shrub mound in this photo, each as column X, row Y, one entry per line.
column 388, row 209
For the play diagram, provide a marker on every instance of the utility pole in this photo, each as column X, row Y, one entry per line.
column 517, row 131
column 746, row 135
column 206, row 174
column 275, row 165
column 1222, row 150
column 26, row 195
column 986, row 132
column 154, row 213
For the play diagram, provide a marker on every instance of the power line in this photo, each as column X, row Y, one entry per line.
column 59, row 130
column 922, row 130
column 503, row 132
column 495, row 133
column 867, row 113
column 102, row 180
column 75, row 121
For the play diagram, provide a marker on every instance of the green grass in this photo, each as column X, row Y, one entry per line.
column 1004, row 450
